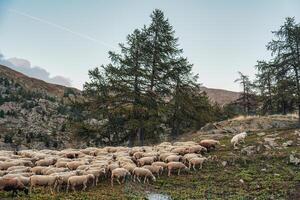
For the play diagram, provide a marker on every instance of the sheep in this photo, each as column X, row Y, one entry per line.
column 173, row 158
column 97, row 172
column 59, row 164
column 138, row 155
column 56, row 170
column 37, row 170
column 7, row 164
column 237, row 138
column 209, row 144
column 197, row 149
column 23, row 179
column 63, row 178
column 162, row 164
column 146, row 161
column 163, row 156
column 176, row 165
column 73, row 165
column 196, row 161
column 129, row 167
column 119, row 173
column 189, row 156
column 43, row 180
column 180, row 150
column 46, row 162
column 72, row 155
column 13, row 168
column 142, row 172
column 82, row 180
column 155, row 169
column 12, row 184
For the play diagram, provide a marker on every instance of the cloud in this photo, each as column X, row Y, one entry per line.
column 24, row 66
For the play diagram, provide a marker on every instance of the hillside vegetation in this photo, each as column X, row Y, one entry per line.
column 263, row 167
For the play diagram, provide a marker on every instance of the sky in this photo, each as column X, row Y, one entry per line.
column 67, row 38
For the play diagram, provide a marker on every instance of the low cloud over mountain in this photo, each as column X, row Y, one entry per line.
column 24, row 66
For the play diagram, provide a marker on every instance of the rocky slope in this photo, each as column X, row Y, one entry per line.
column 33, row 113
column 222, row 97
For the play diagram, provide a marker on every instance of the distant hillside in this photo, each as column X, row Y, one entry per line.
column 33, row 84
column 222, row 97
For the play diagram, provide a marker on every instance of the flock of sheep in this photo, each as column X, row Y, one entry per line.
column 73, row 169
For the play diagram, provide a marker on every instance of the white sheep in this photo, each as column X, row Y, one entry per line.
column 146, row 161
column 196, row 161
column 177, row 166
column 142, row 172
column 117, row 174
column 82, row 180
column 237, row 138
column 155, row 169
column 43, row 180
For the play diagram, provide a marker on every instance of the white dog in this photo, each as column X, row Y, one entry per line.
column 237, row 138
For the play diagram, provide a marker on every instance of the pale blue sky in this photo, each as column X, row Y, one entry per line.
column 69, row 37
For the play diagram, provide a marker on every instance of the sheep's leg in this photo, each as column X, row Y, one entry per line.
column 157, row 174
column 123, row 181
column 201, row 166
column 112, row 182
column 67, row 190
column 145, row 179
column 118, row 181
column 190, row 166
column 73, row 188
column 169, row 172
column 178, row 172
column 84, row 187
column 194, row 167
column 138, row 179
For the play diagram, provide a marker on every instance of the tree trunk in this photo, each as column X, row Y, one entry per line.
column 298, row 91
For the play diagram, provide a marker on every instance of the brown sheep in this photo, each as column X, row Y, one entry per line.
column 209, row 144
column 12, row 184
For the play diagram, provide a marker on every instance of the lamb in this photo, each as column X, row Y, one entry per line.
column 146, row 161
column 196, row 161
column 119, row 173
column 237, row 138
column 43, row 180
column 176, row 165
column 142, row 172
column 12, row 184
column 154, row 169
column 82, row 180
column 209, row 144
